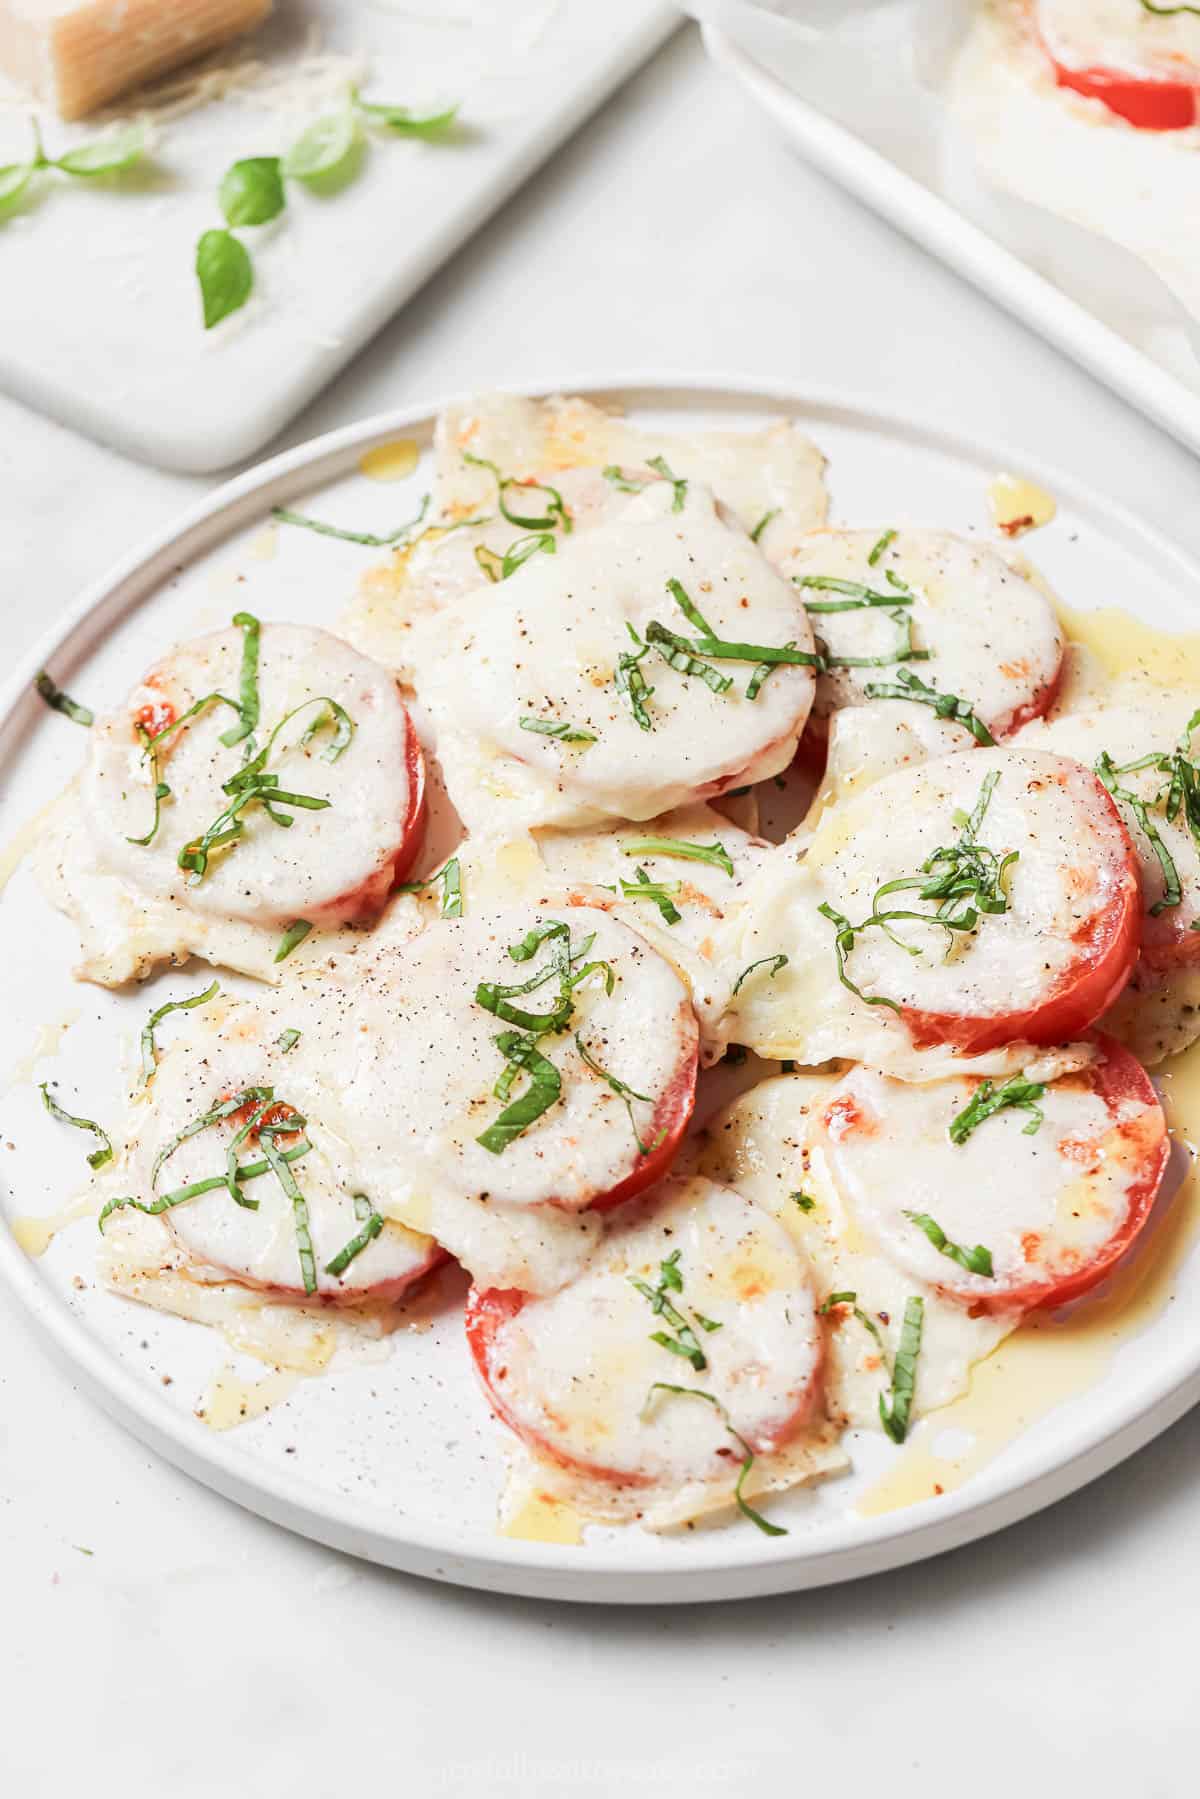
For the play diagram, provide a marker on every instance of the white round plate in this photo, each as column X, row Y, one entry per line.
column 397, row 1460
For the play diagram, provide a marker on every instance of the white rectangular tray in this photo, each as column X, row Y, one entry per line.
column 101, row 315
column 906, row 202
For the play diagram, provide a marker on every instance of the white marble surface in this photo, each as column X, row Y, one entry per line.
column 198, row 1650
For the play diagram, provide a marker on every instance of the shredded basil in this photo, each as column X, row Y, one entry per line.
column 619, row 479
column 372, row 1224
column 558, row 728
column 630, row 682
column 858, row 597
column 687, row 606
column 58, row 701
column 545, row 1086
column 908, row 686
column 684, row 1343
column 714, row 853
column 895, row 1410
column 1182, row 791
column 803, row 1200
column 659, row 893
column 553, row 518
column 771, row 963
column 166, row 1201
column 743, row 1505
column 658, row 464
column 965, row 879
column 450, row 875
column 295, row 934
column 373, row 542
column 676, row 652
column 721, row 651
column 763, row 522
column 286, row 1040
column 624, row 1093
column 225, row 1108
column 880, row 548
column 835, row 1300
column 988, row 1099
column 160, row 788
column 974, row 1261
column 98, row 1157
column 248, row 700
column 149, row 1056
column 287, row 1180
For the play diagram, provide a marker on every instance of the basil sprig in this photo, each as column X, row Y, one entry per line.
column 108, row 155
column 974, row 1261
column 965, row 879
column 743, row 1505
column 325, row 156
column 58, row 701
column 98, row 1157
column 148, row 1046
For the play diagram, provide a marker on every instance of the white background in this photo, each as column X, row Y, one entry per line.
column 199, row 1650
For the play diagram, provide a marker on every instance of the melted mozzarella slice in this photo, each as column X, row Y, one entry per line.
column 1142, row 722
column 989, row 636
column 465, row 555
column 1040, row 971
column 774, row 473
column 413, row 1098
column 768, row 1145
column 343, row 1077
column 699, row 896
column 547, row 648
column 125, row 932
column 581, row 1379
column 1054, row 1204
column 230, row 1049
column 333, row 864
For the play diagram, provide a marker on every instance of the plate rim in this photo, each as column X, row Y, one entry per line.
column 717, row 1567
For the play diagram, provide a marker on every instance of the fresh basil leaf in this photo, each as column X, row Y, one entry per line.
column 106, row 155
column 296, row 932
column 225, row 274
column 251, row 192
column 325, row 149
column 98, row 1157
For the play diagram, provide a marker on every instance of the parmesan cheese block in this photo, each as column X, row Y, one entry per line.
column 76, row 55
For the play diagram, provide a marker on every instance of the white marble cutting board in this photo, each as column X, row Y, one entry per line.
column 99, row 313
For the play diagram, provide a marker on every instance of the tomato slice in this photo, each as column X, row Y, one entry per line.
column 671, row 1118
column 582, row 1377
column 1055, row 1209
column 1152, row 103
column 413, row 832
